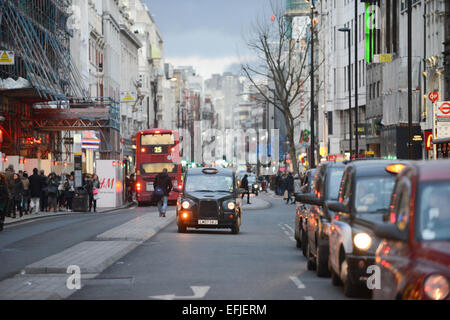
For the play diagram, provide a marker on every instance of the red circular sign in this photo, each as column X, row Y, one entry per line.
column 445, row 108
column 433, row 96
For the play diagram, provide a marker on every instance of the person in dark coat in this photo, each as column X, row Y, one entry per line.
column 290, row 187
column 35, row 190
column 4, row 199
column 52, row 189
column 278, row 190
column 17, row 192
column 44, row 192
column 244, row 185
column 164, row 182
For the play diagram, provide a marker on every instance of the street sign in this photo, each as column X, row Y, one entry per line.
column 443, row 111
column 433, row 96
column 6, row 58
column 428, row 137
column 126, row 96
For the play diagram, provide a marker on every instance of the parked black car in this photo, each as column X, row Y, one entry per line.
column 326, row 187
column 362, row 205
column 209, row 199
column 302, row 210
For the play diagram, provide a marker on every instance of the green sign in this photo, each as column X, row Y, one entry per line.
column 369, row 26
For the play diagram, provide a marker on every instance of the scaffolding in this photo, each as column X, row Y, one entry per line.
column 36, row 30
column 41, row 118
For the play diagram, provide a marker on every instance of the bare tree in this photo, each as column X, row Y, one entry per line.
column 281, row 70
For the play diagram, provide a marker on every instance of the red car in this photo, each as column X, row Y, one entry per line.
column 414, row 257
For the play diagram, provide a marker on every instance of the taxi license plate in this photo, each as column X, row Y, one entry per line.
column 149, row 186
column 210, row 222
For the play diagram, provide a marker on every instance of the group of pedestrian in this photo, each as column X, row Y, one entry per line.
column 284, row 186
column 23, row 194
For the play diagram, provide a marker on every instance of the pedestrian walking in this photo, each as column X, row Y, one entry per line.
column 278, row 190
column 16, row 192
column 61, row 196
column 44, row 192
column 244, row 185
column 35, row 190
column 95, row 193
column 9, row 175
column 162, row 186
column 290, row 187
column 52, row 191
column 4, row 199
column 26, row 193
column 69, row 192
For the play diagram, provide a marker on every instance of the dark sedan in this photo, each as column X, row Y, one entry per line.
column 414, row 257
column 209, row 199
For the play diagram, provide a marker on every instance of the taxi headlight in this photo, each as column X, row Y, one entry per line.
column 229, row 205
column 186, row 204
column 362, row 241
column 436, row 287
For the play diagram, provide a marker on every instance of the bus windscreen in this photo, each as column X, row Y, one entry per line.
column 158, row 167
column 157, row 139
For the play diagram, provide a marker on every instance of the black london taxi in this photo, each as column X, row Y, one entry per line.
column 327, row 179
column 209, row 199
column 301, row 212
column 362, row 204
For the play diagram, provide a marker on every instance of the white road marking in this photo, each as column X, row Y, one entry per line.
column 287, row 226
column 298, row 282
column 199, row 293
column 292, row 238
column 287, row 233
column 309, row 298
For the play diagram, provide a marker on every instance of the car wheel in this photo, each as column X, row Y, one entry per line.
column 350, row 290
column 335, row 280
column 304, row 240
column 309, row 260
column 235, row 228
column 322, row 262
column 181, row 229
column 298, row 243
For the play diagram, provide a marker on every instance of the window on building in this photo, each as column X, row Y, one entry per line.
column 330, row 122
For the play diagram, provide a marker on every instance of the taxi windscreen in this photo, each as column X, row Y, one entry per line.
column 373, row 194
column 157, row 139
column 158, row 167
column 434, row 214
column 334, row 181
column 210, row 183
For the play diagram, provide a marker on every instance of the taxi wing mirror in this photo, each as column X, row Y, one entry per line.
column 308, row 198
column 390, row 231
column 337, row 206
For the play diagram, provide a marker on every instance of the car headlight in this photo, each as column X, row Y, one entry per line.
column 436, row 287
column 255, row 186
column 230, row 205
column 186, row 204
column 362, row 241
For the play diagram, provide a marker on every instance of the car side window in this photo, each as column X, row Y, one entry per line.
column 346, row 188
column 403, row 206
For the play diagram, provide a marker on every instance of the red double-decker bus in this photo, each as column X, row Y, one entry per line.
column 157, row 149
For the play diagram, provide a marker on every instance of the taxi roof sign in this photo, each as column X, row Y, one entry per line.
column 210, row 170
column 395, row 168
column 6, row 57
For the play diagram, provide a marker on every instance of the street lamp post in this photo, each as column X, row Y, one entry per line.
column 347, row 30
column 356, row 80
column 312, row 120
column 410, row 131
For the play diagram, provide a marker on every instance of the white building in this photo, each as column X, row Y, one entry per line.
column 333, row 74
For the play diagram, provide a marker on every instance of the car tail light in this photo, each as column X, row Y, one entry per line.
column 143, row 150
column 138, row 186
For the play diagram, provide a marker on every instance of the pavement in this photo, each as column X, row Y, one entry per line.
column 48, row 278
column 40, row 215
column 256, row 203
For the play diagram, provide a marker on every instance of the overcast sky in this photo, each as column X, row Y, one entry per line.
column 207, row 34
